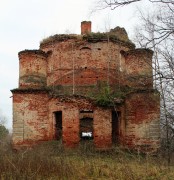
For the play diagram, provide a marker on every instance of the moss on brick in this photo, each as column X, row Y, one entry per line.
column 58, row 38
column 33, row 79
column 33, row 52
column 97, row 37
column 116, row 35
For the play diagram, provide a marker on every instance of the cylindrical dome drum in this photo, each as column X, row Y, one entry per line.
column 32, row 69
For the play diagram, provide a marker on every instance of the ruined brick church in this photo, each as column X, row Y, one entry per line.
column 93, row 87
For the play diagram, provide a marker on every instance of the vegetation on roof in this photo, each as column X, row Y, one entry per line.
column 58, row 37
column 96, row 37
column 117, row 35
column 33, row 51
column 85, row 21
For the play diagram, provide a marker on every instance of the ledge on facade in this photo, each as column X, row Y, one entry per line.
column 34, row 51
column 137, row 51
column 29, row 90
column 143, row 90
column 99, row 98
column 82, row 99
column 75, row 96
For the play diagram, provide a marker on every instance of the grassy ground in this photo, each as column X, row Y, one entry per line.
column 51, row 161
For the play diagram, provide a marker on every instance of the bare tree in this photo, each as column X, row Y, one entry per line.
column 113, row 4
column 3, row 119
column 164, row 27
column 156, row 31
column 3, row 130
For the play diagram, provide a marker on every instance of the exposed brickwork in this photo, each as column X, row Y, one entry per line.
column 102, row 128
column 142, row 117
column 32, row 69
column 137, row 62
column 66, row 75
column 85, row 27
column 30, row 114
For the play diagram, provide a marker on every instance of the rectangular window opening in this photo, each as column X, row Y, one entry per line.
column 86, row 125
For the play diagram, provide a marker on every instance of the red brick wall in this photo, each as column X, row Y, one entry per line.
column 85, row 27
column 139, row 68
column 102, row 128
column 90, row 62
column 70, row 121
column 32, row 69
column 30, row 118
column 34, row 120
column 142, row 120
column 71, row 127
column 85, row 64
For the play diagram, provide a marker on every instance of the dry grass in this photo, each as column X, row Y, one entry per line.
column 51, row 161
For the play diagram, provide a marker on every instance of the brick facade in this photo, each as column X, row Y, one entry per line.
column 62, row 83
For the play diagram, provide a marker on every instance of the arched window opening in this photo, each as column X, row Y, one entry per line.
column 85, row 47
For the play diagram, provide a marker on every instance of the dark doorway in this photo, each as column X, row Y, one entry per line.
column 115, row 126
column 86, row 125
column 58, row 125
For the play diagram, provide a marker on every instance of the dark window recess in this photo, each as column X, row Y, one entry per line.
column 86, row 128
column 115, row 126
column 85, row 47
column 58, row 125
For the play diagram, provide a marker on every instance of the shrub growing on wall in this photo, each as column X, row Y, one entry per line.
column 3, row 132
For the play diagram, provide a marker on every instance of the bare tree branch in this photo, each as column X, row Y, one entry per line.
column 117, row 3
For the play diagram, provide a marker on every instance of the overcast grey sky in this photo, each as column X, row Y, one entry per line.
column 24, row 23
